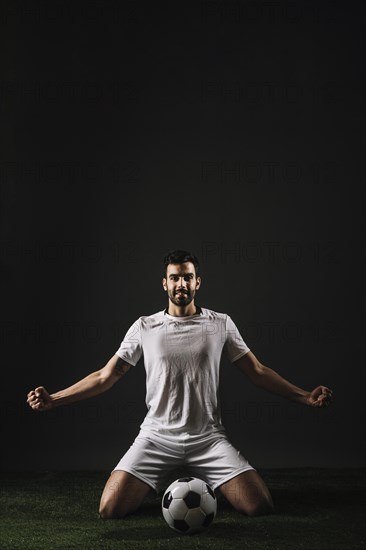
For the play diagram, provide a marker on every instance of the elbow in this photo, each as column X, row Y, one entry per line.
column 105, row 382
column 258, row 373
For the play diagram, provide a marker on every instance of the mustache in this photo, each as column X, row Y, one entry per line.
column 181, row 291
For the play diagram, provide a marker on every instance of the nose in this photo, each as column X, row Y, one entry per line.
column 182, row 283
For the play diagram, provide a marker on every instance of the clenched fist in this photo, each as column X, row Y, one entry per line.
column 39, row 399
column 320, row 397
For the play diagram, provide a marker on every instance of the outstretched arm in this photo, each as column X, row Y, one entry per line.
column 271, row 381
column 95, row 383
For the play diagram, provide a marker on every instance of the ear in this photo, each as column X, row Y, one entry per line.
column 198, row 282
column 164, row 284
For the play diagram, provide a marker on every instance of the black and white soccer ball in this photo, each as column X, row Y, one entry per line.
column 189, row 505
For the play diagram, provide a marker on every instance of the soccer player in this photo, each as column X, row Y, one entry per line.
column 181, row 347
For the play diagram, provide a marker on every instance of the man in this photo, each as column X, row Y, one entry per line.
column 182, row 347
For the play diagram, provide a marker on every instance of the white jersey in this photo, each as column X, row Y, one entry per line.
column 182, row 359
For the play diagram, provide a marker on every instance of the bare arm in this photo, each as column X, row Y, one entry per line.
column 271, row 381
column 95, row 383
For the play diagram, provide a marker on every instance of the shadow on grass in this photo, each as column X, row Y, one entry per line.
column 135, row 534
column 219, row 530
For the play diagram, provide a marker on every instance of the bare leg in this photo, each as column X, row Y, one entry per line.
column 248, row 493
column 123, row 494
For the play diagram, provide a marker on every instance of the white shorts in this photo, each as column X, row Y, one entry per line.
column 213, row 459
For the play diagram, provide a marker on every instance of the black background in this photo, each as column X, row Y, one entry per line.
column 234, row 130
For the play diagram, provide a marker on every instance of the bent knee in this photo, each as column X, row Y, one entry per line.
column 263, row 508
column 108, row 511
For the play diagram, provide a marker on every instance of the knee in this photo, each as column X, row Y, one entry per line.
column 262, row 508
column 108, row 511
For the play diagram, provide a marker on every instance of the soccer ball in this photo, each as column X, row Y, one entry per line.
column 189, row 505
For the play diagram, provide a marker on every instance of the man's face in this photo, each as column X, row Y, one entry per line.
column 181, row 283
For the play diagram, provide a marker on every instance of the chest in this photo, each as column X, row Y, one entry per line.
column 181, row 339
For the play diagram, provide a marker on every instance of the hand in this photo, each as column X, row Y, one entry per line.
column 39, row 399
column 320, row 397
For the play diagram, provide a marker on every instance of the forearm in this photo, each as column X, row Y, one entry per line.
column 271, row 381
column 90, row 386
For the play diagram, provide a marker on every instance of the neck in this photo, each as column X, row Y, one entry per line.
column 182, row 311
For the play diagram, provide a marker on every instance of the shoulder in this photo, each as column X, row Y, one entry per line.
column 221, row 318
column 149, row 321
column 212, row 315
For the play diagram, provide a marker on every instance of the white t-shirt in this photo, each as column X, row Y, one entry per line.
column 182, row 359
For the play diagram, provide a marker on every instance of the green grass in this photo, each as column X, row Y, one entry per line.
column 315, row 508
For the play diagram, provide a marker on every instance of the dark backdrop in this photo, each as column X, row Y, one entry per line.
column 234, row 130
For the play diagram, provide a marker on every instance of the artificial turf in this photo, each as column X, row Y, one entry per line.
column 321, row 509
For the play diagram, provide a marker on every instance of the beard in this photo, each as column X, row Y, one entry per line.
column 181, row 299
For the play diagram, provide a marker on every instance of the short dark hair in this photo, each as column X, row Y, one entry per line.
column 179, row 257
